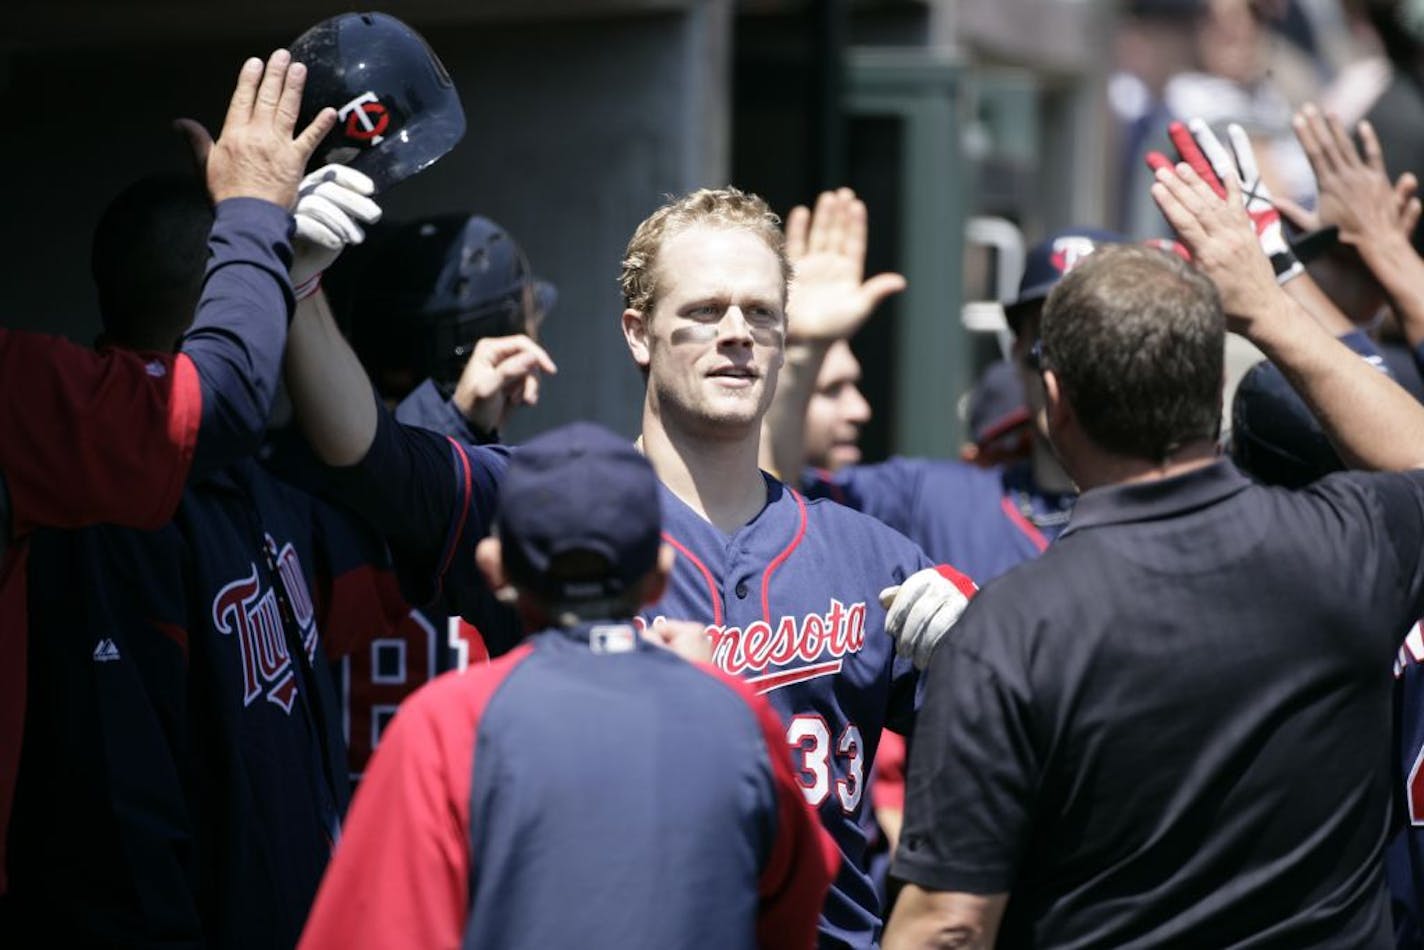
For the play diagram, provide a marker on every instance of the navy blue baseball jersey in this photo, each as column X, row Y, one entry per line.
column 587, row 790
column 982, row 520
column 792, row 598
column 184, row 771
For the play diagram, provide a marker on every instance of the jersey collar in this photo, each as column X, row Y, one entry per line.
column 1157, row 499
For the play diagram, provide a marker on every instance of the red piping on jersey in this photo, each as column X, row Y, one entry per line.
column 1023, row 524
column 177, row 634
column 771, row 681
column 464, row 463
column 706, row 575
column 776, row 561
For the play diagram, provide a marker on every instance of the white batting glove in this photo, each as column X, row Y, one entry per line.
column 1241, row 162
column 332, row 204
column 923, row 608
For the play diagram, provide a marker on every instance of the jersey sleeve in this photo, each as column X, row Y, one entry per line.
column 804, row 858
column 972, row 775
column 87, row 437
column 236, row 341
column 401, row 873
column 1400, row 519
column 430, row 496
column 886, row 490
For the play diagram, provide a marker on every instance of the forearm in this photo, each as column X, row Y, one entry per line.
column 237, row 337
column 1373, row 422
column 783, row 431
column 330, row 392
column 1305, row 291
column 938, row 920
column 1399, row 270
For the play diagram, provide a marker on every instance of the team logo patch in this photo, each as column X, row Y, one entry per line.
column 366, row 119
column 248, row 609
column 811, row 646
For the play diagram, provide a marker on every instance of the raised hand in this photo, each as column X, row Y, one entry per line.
column 829, row 299
column 1355, row 192
column 1222, row 240
column 256, row 156
column 502, row 375
column 1210, row 161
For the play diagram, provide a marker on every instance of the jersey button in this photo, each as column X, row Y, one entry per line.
column 742, row 589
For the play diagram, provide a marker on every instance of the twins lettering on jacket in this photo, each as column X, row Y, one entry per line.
column 250, row 609
column 816, row 643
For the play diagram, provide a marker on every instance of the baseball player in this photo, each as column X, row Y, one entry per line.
column 442, row 300
column 208, row 803
column 88, row 437
column 788, row 588
column 548, row 799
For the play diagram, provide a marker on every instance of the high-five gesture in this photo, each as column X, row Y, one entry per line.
column 1221, row 237
column 1355, row 192
column 829, row 300
column 256, row 155
column 1199, row 148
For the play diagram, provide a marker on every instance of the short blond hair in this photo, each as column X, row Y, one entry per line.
column 718, row 207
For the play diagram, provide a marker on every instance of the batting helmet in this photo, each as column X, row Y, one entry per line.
column 397, row 110
column 1274, row 436
column 456, row 278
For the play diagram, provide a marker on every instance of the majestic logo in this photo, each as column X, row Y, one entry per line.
column 817, row 643
column 1070, row 251
column 249, row 609
column 106, row 651
column 366, row 119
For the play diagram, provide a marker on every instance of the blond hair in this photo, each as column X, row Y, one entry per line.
column 716, row 207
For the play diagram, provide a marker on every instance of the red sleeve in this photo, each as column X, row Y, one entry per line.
column 804, row 857
column 400, row 875
column 87, row 437
column 887, row 789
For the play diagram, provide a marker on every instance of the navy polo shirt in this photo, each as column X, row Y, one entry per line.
column 1173, row 728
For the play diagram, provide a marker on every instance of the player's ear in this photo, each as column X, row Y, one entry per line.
column 490, row 559
column 635, row 332
column 1058, row 409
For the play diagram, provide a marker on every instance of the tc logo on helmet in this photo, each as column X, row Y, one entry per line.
column 366, row 119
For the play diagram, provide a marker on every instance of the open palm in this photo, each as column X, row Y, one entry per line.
column 829, row 299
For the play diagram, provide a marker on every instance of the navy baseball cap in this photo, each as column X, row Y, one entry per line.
column 997, row 405
column 1048, row 261
column 579, row 516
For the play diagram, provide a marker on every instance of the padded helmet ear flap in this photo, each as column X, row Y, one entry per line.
column 397, row 109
